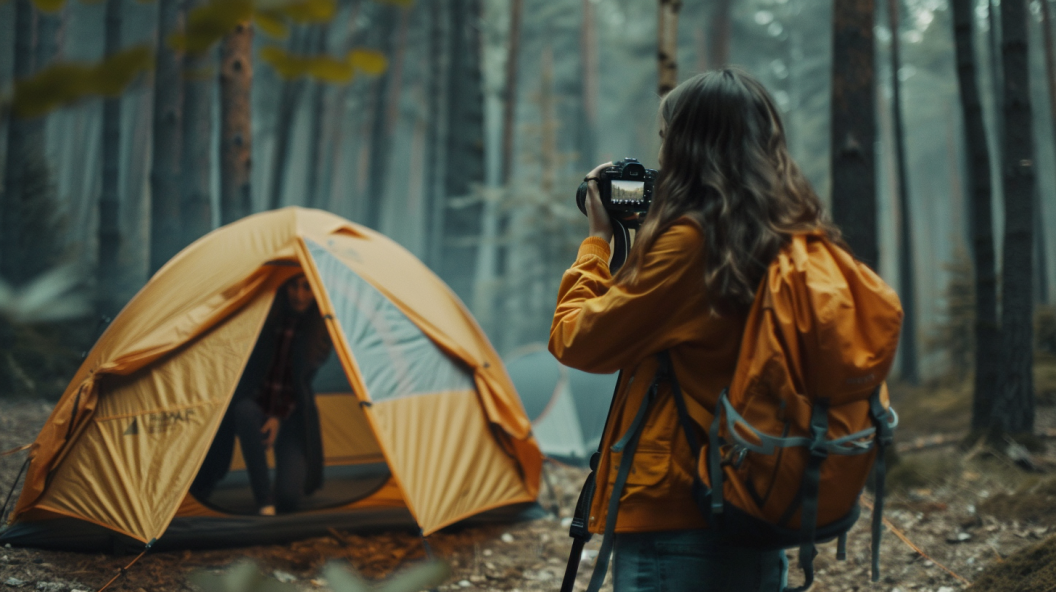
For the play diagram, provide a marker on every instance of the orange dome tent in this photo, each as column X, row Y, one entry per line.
column 421, row 425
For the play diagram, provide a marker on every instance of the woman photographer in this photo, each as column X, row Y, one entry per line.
column 727, row 199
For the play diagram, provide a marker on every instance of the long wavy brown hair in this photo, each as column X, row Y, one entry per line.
column 725, row 165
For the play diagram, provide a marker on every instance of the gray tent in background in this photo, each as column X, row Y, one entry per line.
column 567, row 407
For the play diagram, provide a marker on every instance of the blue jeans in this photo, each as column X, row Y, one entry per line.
column 683, row 560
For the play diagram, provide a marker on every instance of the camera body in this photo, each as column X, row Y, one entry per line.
column 626, row 190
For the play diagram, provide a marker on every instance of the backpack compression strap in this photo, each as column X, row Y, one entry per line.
column 884, row 437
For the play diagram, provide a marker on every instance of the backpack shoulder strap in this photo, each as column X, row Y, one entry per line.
column 701, row 492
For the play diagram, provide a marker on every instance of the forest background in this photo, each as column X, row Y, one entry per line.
column 461, row 129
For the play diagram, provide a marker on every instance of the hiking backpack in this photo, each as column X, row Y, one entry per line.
column 803, row 422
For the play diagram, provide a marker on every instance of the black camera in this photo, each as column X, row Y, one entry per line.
column 626, row 190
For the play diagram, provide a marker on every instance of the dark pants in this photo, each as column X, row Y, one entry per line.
column 684, row 560
column 243, row 420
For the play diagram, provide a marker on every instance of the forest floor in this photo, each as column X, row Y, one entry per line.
column 967, row 512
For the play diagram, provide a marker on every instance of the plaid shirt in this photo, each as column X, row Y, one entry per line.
column 277, row 397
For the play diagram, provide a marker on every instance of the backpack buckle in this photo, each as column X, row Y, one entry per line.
column 734, row 456
column 819, row 450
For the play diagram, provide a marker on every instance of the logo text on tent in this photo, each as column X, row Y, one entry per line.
column 159, row 423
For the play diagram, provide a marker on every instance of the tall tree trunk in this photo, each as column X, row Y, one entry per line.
column 1050, row 75
column 509, row 108
column 286, row 115
column 1013, row 410
column 48, row 26
column 588, row 89
column 316, row 135
column 380, row 136
column 109, row 200
column 721, row 29
column 18, row 129
column 334, row 174
column 165, row 238
column 906, row 280
column 667, row 45
column 434, row 190
column 854, row 127
column 987, row 342
column 465, row 148
column 236, row 78
column 196, row 161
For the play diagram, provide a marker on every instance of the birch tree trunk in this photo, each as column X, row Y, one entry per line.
column 907, row 282
column 165, row 238
column 108, row 272
column 853, row 127
column 236, row 78
column 1013, row 411
column 987, row 342
column 667, row 46
column 196, row 162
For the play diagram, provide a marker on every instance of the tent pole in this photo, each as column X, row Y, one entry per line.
column 3, row 510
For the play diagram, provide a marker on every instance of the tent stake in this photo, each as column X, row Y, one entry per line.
column 124, row 569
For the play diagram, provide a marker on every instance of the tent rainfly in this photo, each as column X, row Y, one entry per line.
column 421, row 426
column 567, row 407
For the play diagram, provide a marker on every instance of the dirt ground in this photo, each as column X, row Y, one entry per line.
column 966, row 512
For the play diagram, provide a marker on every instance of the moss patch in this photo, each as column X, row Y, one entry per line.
column 1032, row 569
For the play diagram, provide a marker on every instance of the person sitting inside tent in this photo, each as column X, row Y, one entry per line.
column 273, row 405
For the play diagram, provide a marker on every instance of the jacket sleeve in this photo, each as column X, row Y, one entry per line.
column 601, row 327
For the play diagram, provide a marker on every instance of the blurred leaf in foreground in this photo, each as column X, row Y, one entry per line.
column 63, row 83
column 208, row 23
column 368, row 61
column 49, row 6
column 301, row 11
column 323, row 67
column 243, row 576
column 246, row 577
column 49, row 297
column 423, row 576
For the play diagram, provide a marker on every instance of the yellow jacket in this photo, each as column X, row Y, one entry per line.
column 601, row 327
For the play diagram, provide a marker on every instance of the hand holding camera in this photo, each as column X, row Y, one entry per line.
column 615, row 197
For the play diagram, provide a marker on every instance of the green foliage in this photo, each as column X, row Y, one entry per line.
column 64, row 83
column 246, row 577
column 324, row 67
